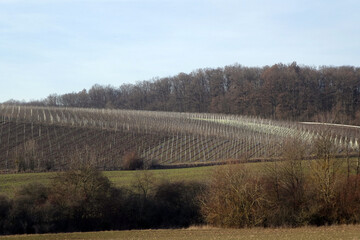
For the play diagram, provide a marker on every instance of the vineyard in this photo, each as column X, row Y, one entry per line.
column 41, row 138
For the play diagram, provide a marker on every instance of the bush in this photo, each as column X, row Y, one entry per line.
column 5, row 207
column 31, row 212
column 81, row 196
column 325, row 175
column 286, row 187
column 85, row 200
column 234, row 198
column 348, row 201
column 131, row 161
column 178, row 204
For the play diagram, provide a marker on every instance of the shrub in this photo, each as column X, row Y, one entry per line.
column 131, row 161
column 234, row 198
column 348, row 200
column 81, row 196
column 5, row 206
column 31, row 212
column 178, row 203
column 285, row 185
column 325, row 175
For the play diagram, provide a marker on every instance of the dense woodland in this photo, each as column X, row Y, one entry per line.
column 287, row 92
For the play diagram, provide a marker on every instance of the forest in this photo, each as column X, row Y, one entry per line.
column 282, row 92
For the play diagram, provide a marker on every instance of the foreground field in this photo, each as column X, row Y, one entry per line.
column 316, row 233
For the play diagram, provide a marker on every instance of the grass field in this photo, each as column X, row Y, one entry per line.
column 315, row 233
column 9, row 183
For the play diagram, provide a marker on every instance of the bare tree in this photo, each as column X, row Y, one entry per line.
column 234, row 198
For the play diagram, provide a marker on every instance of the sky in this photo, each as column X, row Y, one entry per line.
column 62, row 46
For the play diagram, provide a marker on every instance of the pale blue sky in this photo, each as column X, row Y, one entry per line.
column 60, row 46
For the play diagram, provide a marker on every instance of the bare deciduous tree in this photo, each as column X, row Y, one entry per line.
column 234, row 198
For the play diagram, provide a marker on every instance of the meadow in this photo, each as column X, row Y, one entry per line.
column 316, row 233
column 9, row 183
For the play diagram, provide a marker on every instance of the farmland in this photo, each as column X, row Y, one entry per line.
column 316, row 233
column 9, row 183
column 41, row 139
column 161, row 185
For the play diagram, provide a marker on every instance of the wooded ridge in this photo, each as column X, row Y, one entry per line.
column 286, row 92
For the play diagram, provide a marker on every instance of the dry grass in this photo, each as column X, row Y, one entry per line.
column 209, row 233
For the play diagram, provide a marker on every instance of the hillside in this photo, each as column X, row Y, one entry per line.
column 45, row 138
column 283, row 92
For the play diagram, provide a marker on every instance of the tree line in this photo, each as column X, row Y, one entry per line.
column 286, row 92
